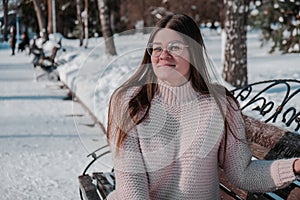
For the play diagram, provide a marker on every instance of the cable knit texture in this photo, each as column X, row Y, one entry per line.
column 174, row 154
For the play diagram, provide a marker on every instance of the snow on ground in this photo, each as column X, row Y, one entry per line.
column 42, row 149
column 44, row 140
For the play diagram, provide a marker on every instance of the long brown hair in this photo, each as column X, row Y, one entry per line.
column 145, row 79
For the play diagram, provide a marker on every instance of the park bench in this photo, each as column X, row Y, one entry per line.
column 47, row 64
column 273, row 133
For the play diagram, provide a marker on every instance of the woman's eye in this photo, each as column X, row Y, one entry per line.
column 175, row 48
column 157, row 49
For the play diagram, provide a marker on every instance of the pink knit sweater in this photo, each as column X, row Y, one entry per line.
column 174, row 154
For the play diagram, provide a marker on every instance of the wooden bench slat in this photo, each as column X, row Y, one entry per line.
column 294, row 194
column 261, row 137
column 105, row 182
column 287, row 147
column 262, row 196
column 87, row 188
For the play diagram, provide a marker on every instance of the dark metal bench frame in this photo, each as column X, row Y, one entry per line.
column 266, row 141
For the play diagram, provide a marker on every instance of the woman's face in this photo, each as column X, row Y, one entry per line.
column 170, row 57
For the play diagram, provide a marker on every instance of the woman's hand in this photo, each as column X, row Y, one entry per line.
column 297, row 167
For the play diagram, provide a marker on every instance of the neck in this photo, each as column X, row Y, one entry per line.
column 176, row 95
column 177, row 83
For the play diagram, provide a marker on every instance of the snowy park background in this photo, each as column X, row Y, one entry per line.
column 92, row 76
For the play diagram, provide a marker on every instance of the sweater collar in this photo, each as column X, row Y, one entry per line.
column 176, row 95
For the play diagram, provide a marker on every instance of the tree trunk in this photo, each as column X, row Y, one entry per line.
column 79, row 19
column 104, row 15
column 86, row 22
column 41, row 19
column 50, row 16
column 5, row 17
column 235, row 63
column 115, row 15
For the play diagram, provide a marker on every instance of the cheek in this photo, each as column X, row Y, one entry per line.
column 184, row 67
column 154, row 60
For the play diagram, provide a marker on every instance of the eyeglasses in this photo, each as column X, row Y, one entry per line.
column 174, row 48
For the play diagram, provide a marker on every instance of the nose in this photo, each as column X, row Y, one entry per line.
column 165, row 54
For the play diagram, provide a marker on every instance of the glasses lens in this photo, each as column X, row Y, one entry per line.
column 154, row 49
column 175, row 48
column 150, row 49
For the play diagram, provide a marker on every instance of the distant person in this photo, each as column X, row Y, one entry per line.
column 25, row 42
column 13, row 39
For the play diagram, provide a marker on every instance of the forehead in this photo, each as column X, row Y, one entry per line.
column 167, row 35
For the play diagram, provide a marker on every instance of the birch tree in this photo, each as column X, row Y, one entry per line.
column 39, row 8
column 85, row 16
column 114, row 8
column 79, row 19
column 5, row 17
column 104, row 15
column 50, row 17
column 235, row 63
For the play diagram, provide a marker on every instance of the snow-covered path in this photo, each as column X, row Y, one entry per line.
column 44, row 139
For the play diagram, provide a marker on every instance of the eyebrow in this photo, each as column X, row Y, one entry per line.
column 168, row 42
column 156, row 43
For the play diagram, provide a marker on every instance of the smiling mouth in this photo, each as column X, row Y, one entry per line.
column 166, row 65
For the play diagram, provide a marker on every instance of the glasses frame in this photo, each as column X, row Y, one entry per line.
column 149, row 48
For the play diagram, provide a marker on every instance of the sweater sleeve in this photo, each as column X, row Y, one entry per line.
column 248, row 174
column 130, row 173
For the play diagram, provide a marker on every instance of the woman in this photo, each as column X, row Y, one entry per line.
column 170, row 127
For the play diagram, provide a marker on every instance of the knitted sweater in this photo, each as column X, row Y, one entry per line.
column 176, row 151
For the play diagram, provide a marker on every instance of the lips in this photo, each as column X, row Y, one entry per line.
column 166, row 65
